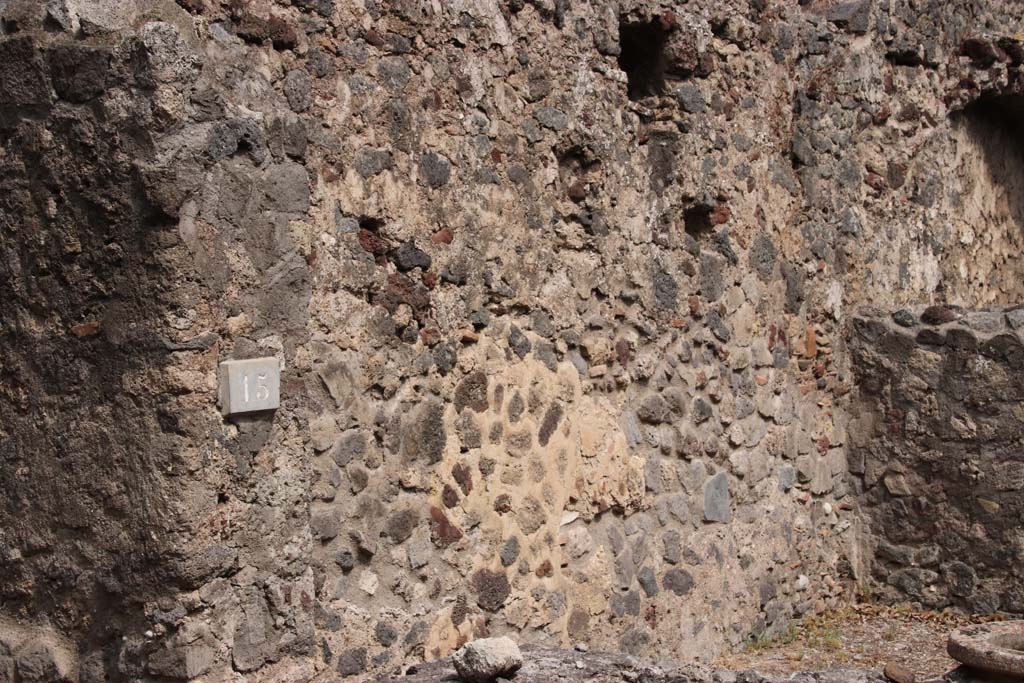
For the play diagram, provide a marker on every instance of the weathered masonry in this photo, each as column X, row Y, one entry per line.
column 938, row 450
column 568, row 302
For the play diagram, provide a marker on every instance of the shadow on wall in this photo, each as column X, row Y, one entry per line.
column 985, row 257
column 994, row 124
column 90, row 438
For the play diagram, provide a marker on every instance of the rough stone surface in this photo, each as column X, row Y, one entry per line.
column 484, row 660
column 996, row 648
column 717, row 499
column 582, row 275
column 898, row 673
column 543, row 665
column 936, row 431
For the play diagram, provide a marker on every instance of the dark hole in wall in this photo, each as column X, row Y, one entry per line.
column 642, row 57
column 697, row 221
column 987, row 129
column 371, row 236
column 51, row 25
column 577, row 158
column 575, row 166
column 371, row 223
column 994, row 124
column 1001, row 115
column 905, row 57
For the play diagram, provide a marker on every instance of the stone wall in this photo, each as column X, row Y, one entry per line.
column 128, row 500
column 96, row 478
column 558, row 290
column 938, row 448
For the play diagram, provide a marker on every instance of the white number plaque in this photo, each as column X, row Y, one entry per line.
column 247, row 386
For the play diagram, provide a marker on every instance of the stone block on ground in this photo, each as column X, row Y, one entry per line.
column 485, row 659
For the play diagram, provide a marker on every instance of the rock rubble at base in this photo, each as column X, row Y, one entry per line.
column 486, row 659
column 552, row 665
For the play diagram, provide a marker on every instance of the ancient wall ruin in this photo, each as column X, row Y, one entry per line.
column 937, row 447
column 560, row 293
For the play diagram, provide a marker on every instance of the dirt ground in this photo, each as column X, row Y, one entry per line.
column 862, row 636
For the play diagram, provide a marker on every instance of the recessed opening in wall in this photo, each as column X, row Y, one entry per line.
column 983, row 263
column 642, row 57
column 371, row 223
column 371, row 236
column 1001, row 115
column 52, row 25
column 697, row 221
